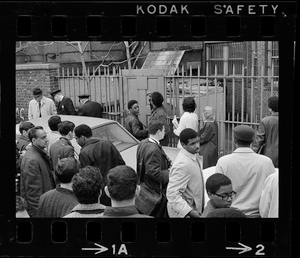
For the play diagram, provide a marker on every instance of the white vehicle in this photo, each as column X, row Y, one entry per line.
column 106, row 129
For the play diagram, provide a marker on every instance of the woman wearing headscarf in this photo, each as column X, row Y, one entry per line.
column 209, row 138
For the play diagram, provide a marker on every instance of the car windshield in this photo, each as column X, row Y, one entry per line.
column 115, row 134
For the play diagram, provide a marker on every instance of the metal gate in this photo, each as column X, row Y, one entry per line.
column 236, row 98
column 104, row 84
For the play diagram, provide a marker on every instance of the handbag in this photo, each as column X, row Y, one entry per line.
column 147, row 200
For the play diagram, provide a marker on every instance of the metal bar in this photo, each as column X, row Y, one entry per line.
column 199, row 97
column 251, row 96
column 191, row 86
column 243, row 96
column 261, row 94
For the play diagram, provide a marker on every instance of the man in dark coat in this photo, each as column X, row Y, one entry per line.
column 63, row 147
column 23, row 139
column 89, row 108
column 98, row 153
column 132, row 122
column 65, row 105
column 158, row 112
column 153, row 165
column 36, row 173
column 267, row 135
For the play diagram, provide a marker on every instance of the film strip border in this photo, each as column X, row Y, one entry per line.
column 115, row 20
column 151, row 237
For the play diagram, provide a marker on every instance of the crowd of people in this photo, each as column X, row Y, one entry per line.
column 54, row 182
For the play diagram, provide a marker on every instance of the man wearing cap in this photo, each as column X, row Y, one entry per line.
column 40, row 106
column 247, row 170
column 267, row 136
column 89, row 108
column 65, row 105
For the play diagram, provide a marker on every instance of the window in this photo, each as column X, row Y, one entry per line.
column 225, row 58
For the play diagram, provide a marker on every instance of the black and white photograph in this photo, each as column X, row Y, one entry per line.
column 156, row 108
column 147, row 128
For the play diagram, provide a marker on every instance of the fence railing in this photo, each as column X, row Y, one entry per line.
column 104, row 84
column 237, row 98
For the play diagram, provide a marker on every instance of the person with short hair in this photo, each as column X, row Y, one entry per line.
column 40, row 106
column 88, row 107
column 54, row 134
column 189, row 118
column 97, row 152
column 132, row 122
column 59, row 202
column 267, row 135
column 185, row 191
column 209, row 138
column 247, row 171
column 63, row 148
column 23, row 140
column 65, row 105
column 153, row 164
column 158, row 112
column 36, row 173
column 87, row 186
column 219, row 191
column 122, row 187
column 226, row 213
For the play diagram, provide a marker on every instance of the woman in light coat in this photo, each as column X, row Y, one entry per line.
column 189, row 118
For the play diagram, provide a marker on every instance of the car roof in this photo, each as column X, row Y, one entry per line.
column 77, row 120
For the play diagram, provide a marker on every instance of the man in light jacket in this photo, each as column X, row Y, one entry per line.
column 185, row 191
column 40, row 106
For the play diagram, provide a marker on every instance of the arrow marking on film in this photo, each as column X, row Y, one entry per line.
column 243, row 249
column 100, row 249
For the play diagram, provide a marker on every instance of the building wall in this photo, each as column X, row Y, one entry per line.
column 29, row 76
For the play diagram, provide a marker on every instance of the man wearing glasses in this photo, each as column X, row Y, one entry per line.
column 40, row 106
column 247, row 170
column 220, row 193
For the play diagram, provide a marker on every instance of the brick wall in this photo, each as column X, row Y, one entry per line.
column 29, row 76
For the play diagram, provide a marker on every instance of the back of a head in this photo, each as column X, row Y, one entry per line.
column 226, row 213
column 187, row 134
column 65, row 169
column 83, row 130
column 121, row 183
column 157, row 99
column 25, row 125
column 215, row 181
column 53, row 122
column 87, row 185
column 154, row 126
column 273, row 103
column 65, row 127
column 189, row 104
column 243, row 135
